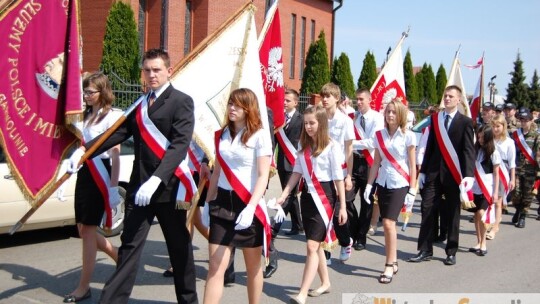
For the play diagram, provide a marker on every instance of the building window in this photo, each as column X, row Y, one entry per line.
column 293, row 46
column 302, row 46
column 312, row 30
column 142, row 26
column 187, row 32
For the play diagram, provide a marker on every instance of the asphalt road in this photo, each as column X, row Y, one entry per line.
column 41, row 266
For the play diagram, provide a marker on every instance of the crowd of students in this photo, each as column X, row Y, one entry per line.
column 329, row 155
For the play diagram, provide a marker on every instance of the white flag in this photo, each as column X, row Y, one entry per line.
column 455, row 78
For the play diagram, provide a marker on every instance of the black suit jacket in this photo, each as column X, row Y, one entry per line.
column 292, row 131
column 172, row 114
column 461, row 135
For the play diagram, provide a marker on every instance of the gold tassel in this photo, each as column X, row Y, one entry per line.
column 467, row 205
column 329, row 246
column 180, row 205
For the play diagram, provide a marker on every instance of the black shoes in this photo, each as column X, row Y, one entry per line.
column 421, row 257
column 229, row 280
column 358, row 246
column 270, row 270
column 450, row 260
column 515, row 217
column 168, row 273
column 478, row 251
column 521, row 222
column 73, row 299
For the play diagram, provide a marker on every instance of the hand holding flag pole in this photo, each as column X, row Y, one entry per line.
column 66, row 175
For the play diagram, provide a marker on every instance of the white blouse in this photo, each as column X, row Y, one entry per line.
column 92, row 131
column 341, row 129
column 397, row 145
column 507, row 151
column 326, row 166
column 488, row 180
column 242, row 159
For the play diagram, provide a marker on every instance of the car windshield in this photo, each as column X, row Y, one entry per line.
column 421, row 125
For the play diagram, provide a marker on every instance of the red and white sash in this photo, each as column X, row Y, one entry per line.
column 485, row 182
column 504, row 177
column 158, row 143
column 382, row 147
column 361, row 134
column 103, row 181
column 319, row 197
column 195, row 155
column 523, row 146
column 288, row 148
column 447, row 149
column 242, row 191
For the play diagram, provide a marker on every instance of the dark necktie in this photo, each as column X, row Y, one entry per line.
column 151, row 99
column 363, row 123
column 446, row 121
column 287, row 118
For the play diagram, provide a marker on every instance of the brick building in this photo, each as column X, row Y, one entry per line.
column 179, row 25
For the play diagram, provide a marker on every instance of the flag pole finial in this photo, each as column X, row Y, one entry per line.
column 406, row 34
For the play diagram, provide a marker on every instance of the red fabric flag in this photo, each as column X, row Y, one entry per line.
column 40, row 86
column 390, row 83
column 270, row 54
column 476, row 100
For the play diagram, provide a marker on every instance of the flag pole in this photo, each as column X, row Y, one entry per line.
column 481, row 103
column 66, row 175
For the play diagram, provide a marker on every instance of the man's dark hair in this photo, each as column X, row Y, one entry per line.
column 362, row 90
column 294, row 93
column 158, row 53
column 454, row 87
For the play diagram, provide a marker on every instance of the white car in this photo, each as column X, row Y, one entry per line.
column 58, row 210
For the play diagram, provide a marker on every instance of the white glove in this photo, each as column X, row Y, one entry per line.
column 421, row 180
column 280, row 214
column 114, row 197
column 245, row 218
column 467, row 182
column 74, row 160
column 206, row 215
column 409, row 199
column 143, row 196
column 367, row 192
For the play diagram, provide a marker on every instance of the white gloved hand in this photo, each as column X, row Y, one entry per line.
column 206, row 215
column 367, row 192
column 280, row 215
column 467, row 182
column 409, row 199
column 114, row 197
column 421, row 180
column 143, row 196
column 74, row 160
column 245, row 218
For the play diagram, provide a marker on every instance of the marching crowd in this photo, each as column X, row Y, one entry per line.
column 326, row 157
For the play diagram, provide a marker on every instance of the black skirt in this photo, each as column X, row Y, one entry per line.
column 391, row 201
column 480, row 202
column 224, row 211
column 89, row 202
column 314, row 226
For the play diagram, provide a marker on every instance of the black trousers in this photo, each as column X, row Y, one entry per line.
column 136, row 227
column 291, row 204
column 449, row 208
column 359, row 221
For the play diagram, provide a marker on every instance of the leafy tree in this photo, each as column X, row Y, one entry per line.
column 368, row 75
column 342, row 75
column 441, row 81
column 121, row 46
column 534, row 92
column 517, row 92
column 411, row 89
column 317, row 70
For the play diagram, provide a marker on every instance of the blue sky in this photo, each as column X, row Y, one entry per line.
column 498, row 28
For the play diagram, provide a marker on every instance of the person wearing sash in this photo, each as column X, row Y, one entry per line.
column 507, row 170
column 287, row 143
column 486, row 186
column 366, row 123
column 96, row 189
column 448, row 163
column 235, row 205
column 526, row 140
column 394, row 171
column 319, row 163
column 161, row 125
column 341, row 130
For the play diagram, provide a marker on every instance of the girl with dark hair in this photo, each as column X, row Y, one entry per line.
column 319, row 162
column 96, row 189
column 486, row 185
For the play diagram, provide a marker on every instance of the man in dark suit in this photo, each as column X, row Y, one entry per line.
column 435, row 172
column 153, row 185
column 292, row 130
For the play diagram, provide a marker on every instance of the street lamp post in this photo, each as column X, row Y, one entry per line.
column 491, row 85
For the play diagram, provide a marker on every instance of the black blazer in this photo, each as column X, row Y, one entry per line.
column 172, row 114
column 461, row 135
column 292, row 130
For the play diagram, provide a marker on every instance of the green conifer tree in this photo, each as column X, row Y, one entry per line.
column 317, row 69
column 441, row 81
column 411, row 89
column 342, row 75
column 534, row 92
column 368, row 75
column 517, row 92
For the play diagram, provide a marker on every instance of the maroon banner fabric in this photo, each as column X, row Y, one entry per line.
column 40, row 89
